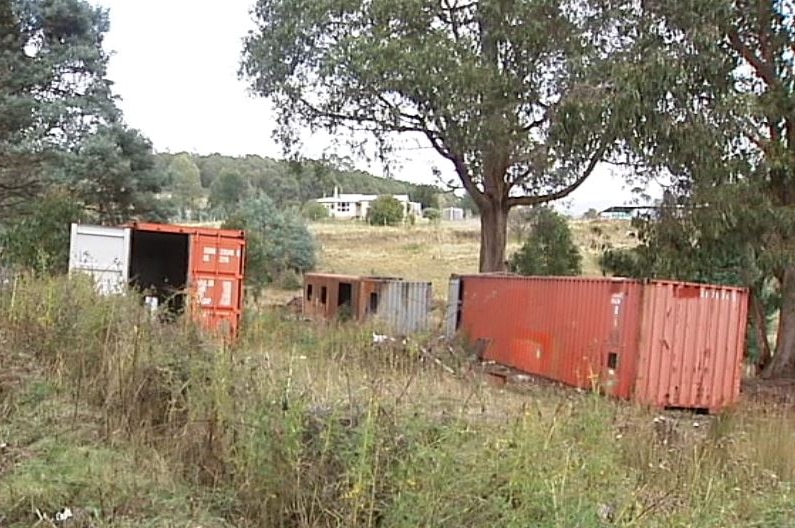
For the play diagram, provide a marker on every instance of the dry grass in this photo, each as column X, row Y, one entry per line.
column 433, row 252
column 421, row 252
column 311, row 425
column 138, row 424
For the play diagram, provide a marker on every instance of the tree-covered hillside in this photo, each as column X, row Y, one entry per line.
column 287, row 183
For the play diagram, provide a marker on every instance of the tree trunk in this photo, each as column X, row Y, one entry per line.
column 493, row 237
column 759, row 325
column 782, row 365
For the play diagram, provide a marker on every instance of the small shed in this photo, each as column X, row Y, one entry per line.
column 453, row 214
column 403, row 306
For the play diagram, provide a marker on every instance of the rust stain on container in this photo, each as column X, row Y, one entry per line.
column 403, row 306
column 660, row 343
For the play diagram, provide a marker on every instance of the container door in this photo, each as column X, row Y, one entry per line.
column 614, row 346
column 453, row 317
column 103, row 253
column 217, row 264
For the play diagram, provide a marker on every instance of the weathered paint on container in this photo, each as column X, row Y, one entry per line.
column 329, row 295
column 693, row 338
column 206, row 264
column 659, row 343
column 403, row 306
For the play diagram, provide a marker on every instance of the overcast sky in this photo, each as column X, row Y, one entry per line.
column 175, row 63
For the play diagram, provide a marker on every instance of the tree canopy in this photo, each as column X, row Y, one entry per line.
column 549, row 248
column 53, row 89
column 515, row 94
column 719, row 122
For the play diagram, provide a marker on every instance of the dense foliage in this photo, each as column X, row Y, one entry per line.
column 38, row 239
column 679, row 244
column 277, row 241
column 385, row 210
column 520, row 97
column 549, row 248
column 719, row 86
column 53, row 90
column 314, row 211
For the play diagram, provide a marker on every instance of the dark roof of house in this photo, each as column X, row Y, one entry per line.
column 627, row 208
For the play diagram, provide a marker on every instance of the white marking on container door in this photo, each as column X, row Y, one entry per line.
column 226, row 293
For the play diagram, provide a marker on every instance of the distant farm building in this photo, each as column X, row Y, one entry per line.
column 453, row 214
column 628, row 212
column 355, row 206
column 619, row 212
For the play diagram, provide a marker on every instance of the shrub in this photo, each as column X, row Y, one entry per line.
column 38, row 240
column 314, row 211
column 276, row 241
column 549, row 248
column 432, row 214
column 385, row 210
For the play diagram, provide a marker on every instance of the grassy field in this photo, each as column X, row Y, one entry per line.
column 432, row 252
column 131, row 423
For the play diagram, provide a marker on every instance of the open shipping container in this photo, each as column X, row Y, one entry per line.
column 403, row 306
column 659, row 343
column 182, row 267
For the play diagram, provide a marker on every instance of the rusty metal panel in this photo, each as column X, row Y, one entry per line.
column 328, row 295
column 692, row 345
column 216, row 276
column 560, row 328
column 404, row 306
column 211, row 269
column 660, row 343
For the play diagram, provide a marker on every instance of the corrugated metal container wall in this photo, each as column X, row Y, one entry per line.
column 571, row 330
column 171, row 262
column 692, row 344
column 636, row 340
column 405, row 306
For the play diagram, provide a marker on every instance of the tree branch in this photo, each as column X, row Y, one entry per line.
column 535, row 124
column 460, row 166
column 764, row 70
column 562, row 193
column 334, row 116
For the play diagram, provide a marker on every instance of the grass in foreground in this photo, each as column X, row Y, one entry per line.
column 137, row 424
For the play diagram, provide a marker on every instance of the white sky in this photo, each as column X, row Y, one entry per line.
column 175, row 64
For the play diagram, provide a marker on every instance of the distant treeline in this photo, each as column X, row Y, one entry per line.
column 287, row 183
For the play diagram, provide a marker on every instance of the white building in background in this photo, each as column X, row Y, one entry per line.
column 453, row 214
column 355, row 206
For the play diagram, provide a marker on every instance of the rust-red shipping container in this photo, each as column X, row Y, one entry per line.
column 326, row 295
column 402, row 306
column 660, row 343
column 214, row 260
column 184, row 267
